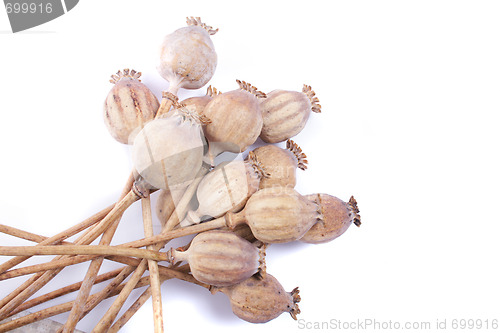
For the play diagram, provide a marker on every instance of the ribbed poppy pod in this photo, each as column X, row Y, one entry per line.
column 129, row 105
column 277, row 215
column 221, row 258
column 187, row 56
column 226, row 189
column 168, row 152
column 198, row 103
column 236, row 119
column 285, row 113
column 261, row 300
column 337, row 217
column 280, row 164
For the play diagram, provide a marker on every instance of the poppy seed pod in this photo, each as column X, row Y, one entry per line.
column 221, row 258
column 168, row 152
column 280, row 164
column 277, row 215
column 261, row 300
column 198, row 103
column 226, row 189
column 337, row 217
column 187, row 56
column 128, row 106
column 236, row 120
column 285, row 113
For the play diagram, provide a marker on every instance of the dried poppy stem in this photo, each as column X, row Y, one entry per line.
column 63, row 291
column 169, row 98
column 111, row 290
column 61, row 263
column 39, row 280
column 94, row 267
column 101, row 250
column 26, row 287
column 55, row 239
column 112, row 312
column 58, row 309
column 120, row 322
column 5, row 229
column 180, row 210
column 180, row 232
column 154, row 275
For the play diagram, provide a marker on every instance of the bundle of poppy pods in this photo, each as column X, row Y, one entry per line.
column 234, row 208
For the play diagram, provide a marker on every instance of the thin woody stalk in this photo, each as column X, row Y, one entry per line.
column 154, row 275
column 165, row 272
column 45, row 266
column 57, row 238
column 94, row 267
column 180, row 232
column 63, row 291
column 39, row 280
column 101, row 250
column 181, row 209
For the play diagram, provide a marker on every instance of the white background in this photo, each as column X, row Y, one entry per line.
column 410, row 97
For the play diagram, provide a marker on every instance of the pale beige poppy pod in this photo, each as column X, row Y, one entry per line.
column 187, row 55
column 277, row 215
column 226, row 189
column 285, row 113
column 261, row 300
column 337, row 217
column 280, row 164
column 130, row 104
column 168, row 152
column 221, row 258
column 236, row 120
column 198, row 103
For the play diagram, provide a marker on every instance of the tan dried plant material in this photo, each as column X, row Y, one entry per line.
column 168, row 152
column 261, row 300
column 198, row 103
column 277, row 215
column 129, row 105
column 236, row 120
column 285, row 113
column 197, row 21
column 221, row 258
column 187, row 56
column 337, row 217
column 281, row 164
column 226, row 189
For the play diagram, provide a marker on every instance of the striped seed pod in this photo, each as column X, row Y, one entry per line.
column 226, row 189
column 285, row 113
column 221, row 258
column 337, row 217
column 236, row 120
column 277, row 215
column 128, row 106
column 281, row 164
column 261, row 300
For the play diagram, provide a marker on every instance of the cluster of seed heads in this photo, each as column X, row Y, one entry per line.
column 234, row 209
column 257, row 192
